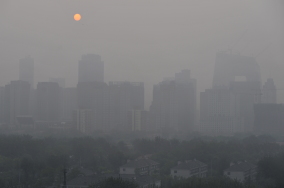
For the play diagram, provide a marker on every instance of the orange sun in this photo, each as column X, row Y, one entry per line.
column 77, row 17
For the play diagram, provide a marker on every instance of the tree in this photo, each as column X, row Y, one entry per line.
column 115, row 183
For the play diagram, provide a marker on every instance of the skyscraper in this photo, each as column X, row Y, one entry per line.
column 241, row 75
column 220, row 112
column 94, row 96
column 174, row 103
column 91, row 68
column 17, row 96
column 269, row 92
column 124, row 97
column 26, row 70
column 60, row 81
column 232, row 67
column 47, row 102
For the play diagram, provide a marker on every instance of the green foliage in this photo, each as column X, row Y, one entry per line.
column 115, row 183
column 271, row 171
column 211, row 182
column 217, row 154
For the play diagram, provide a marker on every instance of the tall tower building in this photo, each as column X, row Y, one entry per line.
column 269, row 92
column 26, row 70
column 47, row 102
column 220, row 112
column 174, row 103
column 240, row 74
column 124, row 97
column 17, row 96
column 91, row 68
column 94, row 96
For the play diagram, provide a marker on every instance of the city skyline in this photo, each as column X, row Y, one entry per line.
column 142, row 47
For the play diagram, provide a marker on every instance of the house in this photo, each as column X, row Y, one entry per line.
column 141, row 167
column 144, row 181
column 241, row 171
column 188, row 169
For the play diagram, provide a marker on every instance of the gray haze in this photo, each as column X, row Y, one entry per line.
column 140, row 40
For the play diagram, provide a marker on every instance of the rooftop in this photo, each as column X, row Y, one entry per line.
column 190, row 164
column 241, row 167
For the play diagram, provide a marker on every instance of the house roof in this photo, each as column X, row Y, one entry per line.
column 140, row 163
column 188, row 165
column 241, row 167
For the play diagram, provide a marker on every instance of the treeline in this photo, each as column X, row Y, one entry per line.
column 215, row 153
column 40, row 162
column 31, row 162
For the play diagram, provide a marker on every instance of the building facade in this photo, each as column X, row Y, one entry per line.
column 17, row 96
column 220, row 112
column 241, row 171
column 174, row 104
column 124, row 97
column 189, row 168
column 269, row 94
column 48, row 102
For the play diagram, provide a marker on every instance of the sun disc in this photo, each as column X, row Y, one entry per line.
column 77, row 17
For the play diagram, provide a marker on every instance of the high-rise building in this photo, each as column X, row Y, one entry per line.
column 124, row 97
column 269, row 92
column 240, row 74
column 2, row 105
column 137, row 120
column 47, row 102
column 94, row 96
column 83, row 119
column 69, row 103
column 220, row 112
column 231, row 67
column 269, row 118
column 60, row 81
column 91, row 68
column 17, row 96
column 26, row 70
column 174, row 103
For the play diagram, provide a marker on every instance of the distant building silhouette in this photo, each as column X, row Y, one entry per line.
column 269, row 118
column 230, row 67
column 269, row 92
column 47, row 102
column 241, row 75
column 17, row 96
column 124, row 97
column 26, row 70
column 137, row 120
column 94, row 96
column 60, row 81
column 174, row 103
column 220, row 112
column 68, row 103
column 84, row 120
column 91, row 68
column 2, row 105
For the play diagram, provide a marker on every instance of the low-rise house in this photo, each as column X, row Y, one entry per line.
column 141, row 167
column 188, row 169
column 241, row 171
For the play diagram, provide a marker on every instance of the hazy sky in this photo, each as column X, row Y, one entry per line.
column 140, row 40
